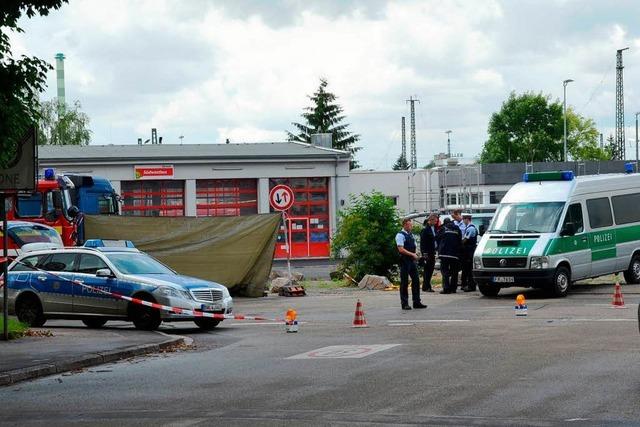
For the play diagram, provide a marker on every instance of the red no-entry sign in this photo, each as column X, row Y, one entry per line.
column 281, row 197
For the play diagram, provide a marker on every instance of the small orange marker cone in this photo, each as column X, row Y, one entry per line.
column 521, row 306
column 618, row 301
column 359, row 320
column 291, row 321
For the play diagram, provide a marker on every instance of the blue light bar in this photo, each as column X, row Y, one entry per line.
column 49, row 174
column 548, row 176
column 628, row 168
column 102, row 243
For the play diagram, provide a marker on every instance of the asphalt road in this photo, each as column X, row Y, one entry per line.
column 466, row 360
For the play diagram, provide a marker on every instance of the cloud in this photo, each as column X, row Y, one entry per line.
column 243, row 69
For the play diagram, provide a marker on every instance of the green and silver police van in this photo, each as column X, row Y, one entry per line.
column 554, row 228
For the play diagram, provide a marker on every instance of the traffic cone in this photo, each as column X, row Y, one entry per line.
column 618, row 301
column 359, row 320
column 521, row 306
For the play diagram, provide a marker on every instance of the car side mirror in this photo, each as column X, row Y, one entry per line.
column 569, row 229
column 104, row 272
column 73, row 211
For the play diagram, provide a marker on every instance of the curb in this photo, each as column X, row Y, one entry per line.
column 88, row 360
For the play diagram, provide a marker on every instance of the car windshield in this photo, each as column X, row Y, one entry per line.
column 24, row 234
column 138, row 263
column 540, row 217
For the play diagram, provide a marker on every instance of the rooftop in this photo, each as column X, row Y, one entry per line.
column 173, row 152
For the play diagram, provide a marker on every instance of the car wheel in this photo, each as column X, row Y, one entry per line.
column 206, row 323
column 561, row 282
column 143, row 317
column 632, row 275
column 29, row 311
column 489, row 290
column 94, row 323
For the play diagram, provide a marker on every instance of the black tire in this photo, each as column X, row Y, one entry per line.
column 632, row 275
column 94, row 323
column 490, row 291
column 561, row 282
column 206, row 324
column 143, row 317
column 29, row 311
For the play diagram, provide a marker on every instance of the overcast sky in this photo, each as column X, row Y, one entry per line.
column 241, row 69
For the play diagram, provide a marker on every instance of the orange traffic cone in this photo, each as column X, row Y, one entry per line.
column 359, row 320
column 618, row 301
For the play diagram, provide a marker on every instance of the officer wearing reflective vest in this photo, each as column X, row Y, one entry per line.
column 407, row 248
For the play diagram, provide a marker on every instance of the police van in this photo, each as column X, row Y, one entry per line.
column 554, row 229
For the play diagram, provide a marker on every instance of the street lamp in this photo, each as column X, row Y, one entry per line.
column 448, row 132
column 638, row 113
column 564, row 85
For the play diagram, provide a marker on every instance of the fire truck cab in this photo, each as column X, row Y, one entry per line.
column 50, row 204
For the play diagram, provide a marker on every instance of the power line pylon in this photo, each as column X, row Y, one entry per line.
column 404, row 141
column 619, row 148
column 414, row 158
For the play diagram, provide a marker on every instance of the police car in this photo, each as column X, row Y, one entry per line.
column 40, row 287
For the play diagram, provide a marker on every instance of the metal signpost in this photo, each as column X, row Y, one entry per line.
column 281, row 198
column 17, row 173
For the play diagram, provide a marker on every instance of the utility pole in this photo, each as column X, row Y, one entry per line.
column 414, row 158
column 620, row 140
column 448, row 132
column 638, row 113
column 404, row 141
column 564, row 86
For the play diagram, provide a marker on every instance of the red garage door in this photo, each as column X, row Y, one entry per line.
column 153, row 198
column 308, row 218
column 226, row 197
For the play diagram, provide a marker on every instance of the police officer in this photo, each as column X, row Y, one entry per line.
column 428, row 247
column 407, row 247
column 449, row 245
column 469, row 243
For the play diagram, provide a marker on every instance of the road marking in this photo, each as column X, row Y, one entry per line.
column 259, row 323
column 429, row 321
column 344, row 351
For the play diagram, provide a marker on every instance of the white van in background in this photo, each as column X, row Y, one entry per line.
column 554, row 229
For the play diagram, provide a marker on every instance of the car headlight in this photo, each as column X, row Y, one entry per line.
column 539, row 262
column 477, row 262
column 169, row 292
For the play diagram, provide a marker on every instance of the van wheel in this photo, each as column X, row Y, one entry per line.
column 488, row 290
column 206, row 324
column 29, row 311
column 94, row 323
column 632, row 275
column 143, row 317
column 561, row 282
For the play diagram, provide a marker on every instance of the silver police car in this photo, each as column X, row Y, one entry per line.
column 40, row 287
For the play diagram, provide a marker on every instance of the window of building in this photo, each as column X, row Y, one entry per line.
column 495, row 197
column 599, row 212
column 226, row 197
column 476, row 198
column 394, row 199
column 452, row 199
column 625, row 208
column 153, row 198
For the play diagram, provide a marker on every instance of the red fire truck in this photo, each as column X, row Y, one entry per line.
column 50, row 204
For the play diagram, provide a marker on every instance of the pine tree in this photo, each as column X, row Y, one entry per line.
column 325, row 116
column 401, row 164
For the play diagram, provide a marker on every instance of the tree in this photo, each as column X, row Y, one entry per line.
column 61, row 125
column 325, row 116
column 527, row 128
column 366, row 232
column 21, row 80
column 582, row 139
column 401, row 164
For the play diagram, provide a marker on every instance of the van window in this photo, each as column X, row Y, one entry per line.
column 599, row 212
column 574, row 215
column 625, row 208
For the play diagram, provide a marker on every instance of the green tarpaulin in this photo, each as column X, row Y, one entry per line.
column 234, row 251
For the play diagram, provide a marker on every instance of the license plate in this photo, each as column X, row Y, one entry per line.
column 211, row 307
column 503, row 279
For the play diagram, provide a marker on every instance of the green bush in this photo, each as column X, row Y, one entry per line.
column 16, row 328
column 366, row 232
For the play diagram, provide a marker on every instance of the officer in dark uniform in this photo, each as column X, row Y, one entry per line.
column 407, row 247
column 428, row 247
column 449, row 245
column 469, row 243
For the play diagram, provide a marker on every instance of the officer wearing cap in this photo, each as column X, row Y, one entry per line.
column 469, row 243
column 407, row 248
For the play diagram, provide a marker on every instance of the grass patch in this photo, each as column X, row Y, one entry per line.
column 16, row 329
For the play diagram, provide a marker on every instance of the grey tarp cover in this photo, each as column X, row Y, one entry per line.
column 234, row 251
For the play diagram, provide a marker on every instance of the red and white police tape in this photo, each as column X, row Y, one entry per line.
column 176, row 310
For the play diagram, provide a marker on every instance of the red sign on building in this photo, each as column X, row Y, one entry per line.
column 153, row 172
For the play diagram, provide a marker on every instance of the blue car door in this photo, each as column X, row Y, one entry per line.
column 55, row 286
column 90, row 300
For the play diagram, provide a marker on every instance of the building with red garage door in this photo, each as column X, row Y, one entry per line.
column 221, row 180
